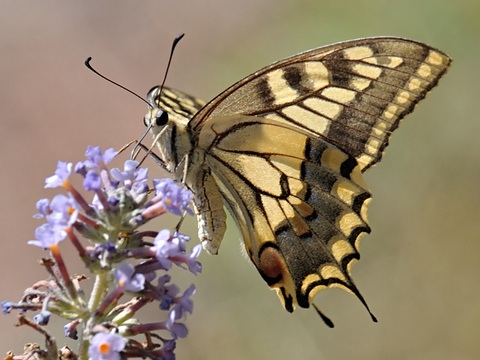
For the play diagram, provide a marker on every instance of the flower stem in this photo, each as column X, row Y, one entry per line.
column 98, row 290
column 64, row 272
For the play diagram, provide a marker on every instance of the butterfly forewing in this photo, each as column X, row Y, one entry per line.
column 353, row 94
column 284, row 150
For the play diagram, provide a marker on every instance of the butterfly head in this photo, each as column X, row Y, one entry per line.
column 167, row 118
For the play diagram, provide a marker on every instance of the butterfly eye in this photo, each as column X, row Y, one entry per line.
column 161, row 118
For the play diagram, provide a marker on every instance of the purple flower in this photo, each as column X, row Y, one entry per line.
column 103, row 250
column 184, row 303
column 133, row 177
column 92, row 181
column 62, row 173
column 47, row 235
column 43, row 207
column 106, row 346
column 63, row 211
column 162, row 280
column 166, row 248
column 193, row 265
column 70, row 330
column 60, row 213
column 127, row 279
column 42, row 317
column 171, row 249
column 178, row 330
column 6, row 307
column 80, row 168
column 174, row 198
column 131, row 173
column 95, row 158
column 167, row 349
column 140, row 188
column 166, row 292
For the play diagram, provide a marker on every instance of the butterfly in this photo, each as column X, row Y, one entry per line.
column 284, row 150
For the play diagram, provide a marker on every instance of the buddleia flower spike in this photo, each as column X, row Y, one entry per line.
column 131, row 266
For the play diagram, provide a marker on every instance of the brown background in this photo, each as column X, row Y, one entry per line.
column 420, row 266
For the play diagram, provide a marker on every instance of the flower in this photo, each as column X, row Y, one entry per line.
column 92, row 181
column 106, row 346
column 60, row 214
column 131, row 173
column 127, row 279
column 132, row 177
column 47, row 235
column 166, row 248
column 193, row 265
column 170, row 249
column 178, row 330
column 63, row 211
column 61, row 175
column 6, row 307
column 70, row 330
column 168, row 350
column 166, row 292
column 184, row 303
column 42, row 317
column 95, row 158
column 43, row 206
column 119, row 256
column 175, row 198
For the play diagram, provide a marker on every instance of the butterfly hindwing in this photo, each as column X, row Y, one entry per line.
column 299, row 201
column 284, row 150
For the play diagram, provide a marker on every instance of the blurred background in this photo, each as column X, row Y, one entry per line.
column 420, row 266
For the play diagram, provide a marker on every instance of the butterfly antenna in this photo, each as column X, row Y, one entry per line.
column 90, row 67
column 170, row 57
column 135, row 149
column 174, row 45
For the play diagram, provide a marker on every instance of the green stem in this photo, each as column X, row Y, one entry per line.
column 96, row 297
column 98, row 291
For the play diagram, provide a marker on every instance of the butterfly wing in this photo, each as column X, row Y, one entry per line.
column 353, row 94
column 284, row 150
column 299, row 202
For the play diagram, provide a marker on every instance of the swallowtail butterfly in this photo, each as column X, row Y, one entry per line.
column 284, row 151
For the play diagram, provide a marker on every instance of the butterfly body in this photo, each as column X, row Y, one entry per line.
column 284, row 151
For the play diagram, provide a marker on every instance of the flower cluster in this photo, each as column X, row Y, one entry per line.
column 129, row 266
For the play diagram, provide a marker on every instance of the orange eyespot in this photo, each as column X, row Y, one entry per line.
column 272, row 266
